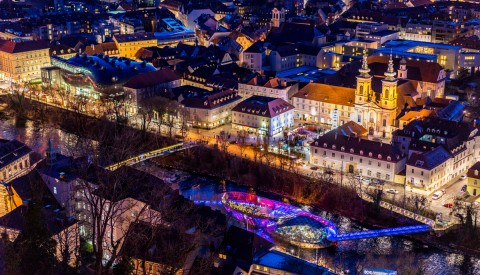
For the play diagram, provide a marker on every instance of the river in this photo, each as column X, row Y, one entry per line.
column 385, row 252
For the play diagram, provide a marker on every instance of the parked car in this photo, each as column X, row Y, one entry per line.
column 392, row 191
column 464, row 188
column 448, row 205
column 233, row 142
column 437, row 195
column 367, row 180
column 377, row 181
column 463, row 177
column 314, row 168
column 358, row 177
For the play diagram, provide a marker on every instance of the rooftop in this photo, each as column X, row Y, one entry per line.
column 474, row 171
column 150, row 79
column 429, row 160
column 105, row 70
column 263, row 106
column 139, row 36
column 327, row 93
column 10, row 46
column 281, row 261
column 12, row 150
column 338, row 140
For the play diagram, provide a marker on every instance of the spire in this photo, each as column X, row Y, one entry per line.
column 390, row 73
column 51, row 155
column 364, row 70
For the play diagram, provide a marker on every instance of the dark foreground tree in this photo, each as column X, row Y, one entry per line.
column 33, row 251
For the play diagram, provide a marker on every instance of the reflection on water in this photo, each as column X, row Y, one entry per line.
column 385, row 252
column 36, row 135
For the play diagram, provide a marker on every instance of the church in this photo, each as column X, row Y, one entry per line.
column 378, row 96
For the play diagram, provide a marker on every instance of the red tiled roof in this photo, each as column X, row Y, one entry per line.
column 152, row 78
column 327, row 93
column 416, row 70
column 23, row 46
column 105, row 48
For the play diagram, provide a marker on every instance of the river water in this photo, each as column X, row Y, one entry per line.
column 396, row 253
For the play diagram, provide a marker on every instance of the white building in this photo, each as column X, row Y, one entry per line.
column 325, row 104
column 439, row 151
column 263, row 115
column 274, row 87
column 207, row 109
column 340, row 151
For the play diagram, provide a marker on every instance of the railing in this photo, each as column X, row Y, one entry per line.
column 409, row 214
column 152, row 154
column 380, row 233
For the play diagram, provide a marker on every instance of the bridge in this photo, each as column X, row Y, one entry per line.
column 379, row 233
column 336, row 237
column 153, row 154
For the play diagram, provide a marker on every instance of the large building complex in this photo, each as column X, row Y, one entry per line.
column 21, row 61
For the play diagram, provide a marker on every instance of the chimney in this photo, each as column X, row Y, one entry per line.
column 283, row 83
column 93, row 47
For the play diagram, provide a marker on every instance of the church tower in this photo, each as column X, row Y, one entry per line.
column 388, row 101
column 364, row 92
column 278, row 16
column 402, row 71
column 388, row 98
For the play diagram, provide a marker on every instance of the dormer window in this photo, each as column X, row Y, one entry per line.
column 343, row 148
column 351, row 150
column 316, row 143
column 370, row 154
column 334, row 147
column 361, row 152
column 389, row 158
column 379, row 156
column 476, row 172
column 325, row 145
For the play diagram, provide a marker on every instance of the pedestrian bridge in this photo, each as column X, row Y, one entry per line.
column 155, row 153
column 334, row 236
column 379, row 233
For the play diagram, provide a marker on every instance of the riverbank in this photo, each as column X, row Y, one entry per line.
column 341, row 200
column 261, row 177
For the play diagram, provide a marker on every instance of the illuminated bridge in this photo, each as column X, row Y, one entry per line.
column 379, row 233
column 152, row 154
column 283, row 221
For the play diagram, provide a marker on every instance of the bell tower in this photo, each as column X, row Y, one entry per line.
column 388, row 98
column 402, row 71
column 278, row 16
column 364, row 92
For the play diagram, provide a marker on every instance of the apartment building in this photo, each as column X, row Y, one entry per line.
column 345, row 152
column 263, row 115
column 14, row 162
column 22, row 60
column 439, row 150
column 207, row 109
column 129, row 44
column 324, row 104
column 473, row 177
column 274, row 87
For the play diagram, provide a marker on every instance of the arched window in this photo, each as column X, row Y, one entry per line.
column 387, row 93
column 361, row 90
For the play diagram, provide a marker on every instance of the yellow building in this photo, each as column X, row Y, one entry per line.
column 22, row 60
column 129, row 44
column 14, row 162
column 473, row 182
